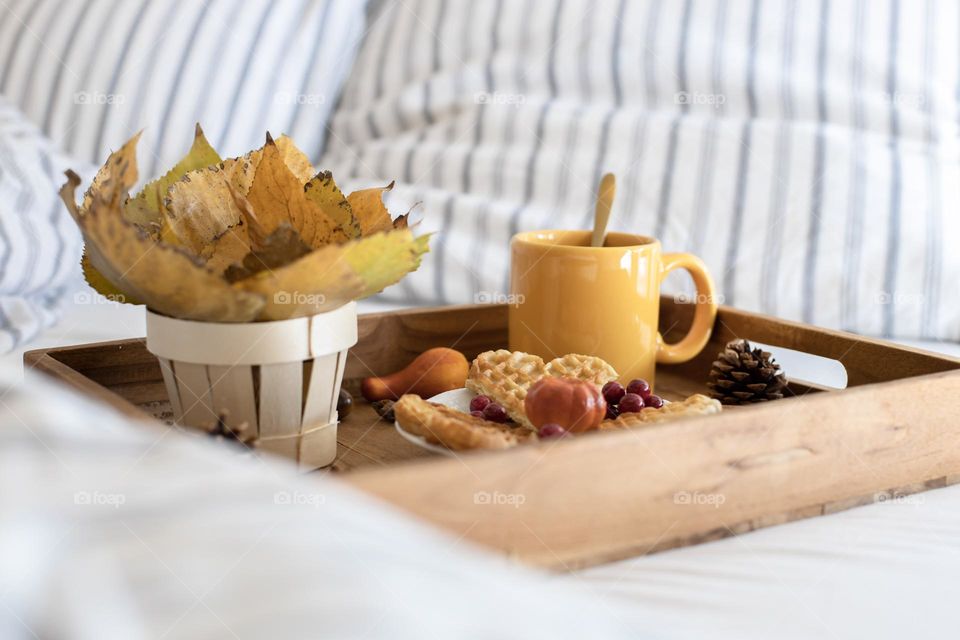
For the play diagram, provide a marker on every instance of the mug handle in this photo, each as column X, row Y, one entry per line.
column 704, row 314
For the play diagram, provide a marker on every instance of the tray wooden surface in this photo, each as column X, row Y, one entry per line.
column 607, row 496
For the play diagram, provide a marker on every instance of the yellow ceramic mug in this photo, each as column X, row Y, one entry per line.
column 569, row 297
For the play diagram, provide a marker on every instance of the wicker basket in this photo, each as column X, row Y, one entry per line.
column 278, row 381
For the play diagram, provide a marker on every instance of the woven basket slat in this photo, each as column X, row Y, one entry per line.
column 231, row 392
column 194, row 387
column 320, row 405
column 170, row 382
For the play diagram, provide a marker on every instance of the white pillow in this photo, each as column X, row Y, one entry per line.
column 39, row 243
column 91, row 74
column 811, row 160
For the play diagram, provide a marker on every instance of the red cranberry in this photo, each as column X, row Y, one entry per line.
column 551, row 430
column 495, row 413
column 654, row 401
column 630, row 403
column 612, row 392
column 477, row 414
column 640, row 387
column 479, row 403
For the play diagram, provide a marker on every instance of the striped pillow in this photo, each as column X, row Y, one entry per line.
column 808, row 151
column 39, row 243
column 92, row 73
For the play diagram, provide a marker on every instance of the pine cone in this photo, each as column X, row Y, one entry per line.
column 741, row 375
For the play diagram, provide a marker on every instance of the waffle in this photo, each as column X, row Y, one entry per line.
column 455, row 429
column 695, row 405
column 586, row 368
column 506, row 376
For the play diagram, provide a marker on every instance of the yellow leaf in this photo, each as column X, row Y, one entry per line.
column 228, row 249
column 277, row 196
column 242, row 169
column 367, row 205
column 200, row 205
column 237, row 243
column 277, row 250
column 165, row 278
column 201, row 155
column 137, row 211
column 324, row 192
column 257, row 237
column 384, row 258
column 201, row 208
column 320, row 281
column 295, row 159
column 101, row 285
column 421, row 245
column 117, row 175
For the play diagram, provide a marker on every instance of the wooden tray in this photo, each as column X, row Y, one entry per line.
column 607, row 496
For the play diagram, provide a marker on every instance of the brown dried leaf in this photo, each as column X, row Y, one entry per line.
column 229, row 249
column 403, row 222
column 277, row 250
column 68, row 193
column 117, row 175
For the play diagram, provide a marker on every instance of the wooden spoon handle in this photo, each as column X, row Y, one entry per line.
column 601, row 215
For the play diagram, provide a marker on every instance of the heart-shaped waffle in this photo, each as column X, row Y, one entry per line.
column 586, row 368
column 506, row 376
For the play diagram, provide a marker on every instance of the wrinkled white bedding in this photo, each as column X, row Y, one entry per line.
column 200, row 548
column 110, row 529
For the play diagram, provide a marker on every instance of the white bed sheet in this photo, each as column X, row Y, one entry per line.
column 884, row 570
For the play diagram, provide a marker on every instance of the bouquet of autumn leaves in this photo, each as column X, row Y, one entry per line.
column 260, row 237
